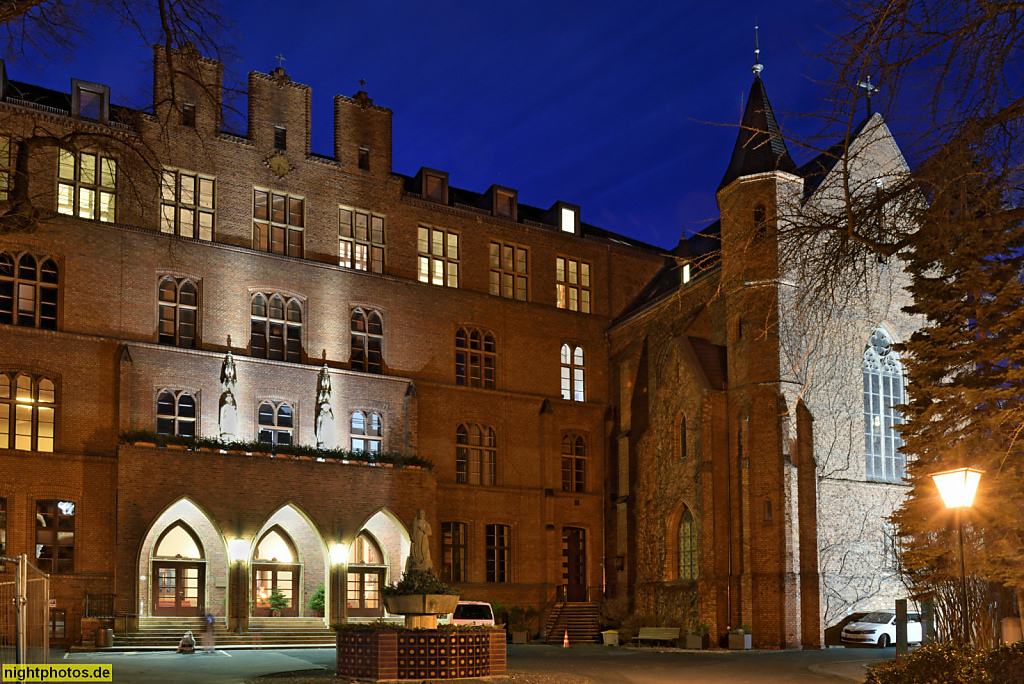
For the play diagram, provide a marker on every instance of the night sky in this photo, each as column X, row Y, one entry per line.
column 627, row 109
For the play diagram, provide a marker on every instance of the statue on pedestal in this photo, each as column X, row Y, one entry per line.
column 419, row 553
column 325, row 433
column 228, row 413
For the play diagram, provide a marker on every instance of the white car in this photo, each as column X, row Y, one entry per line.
column 879, row 629
column 470, row 613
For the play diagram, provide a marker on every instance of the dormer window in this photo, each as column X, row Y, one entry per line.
column 90, row 104
column 188, row 115
column 568, row 224
column 436, row 188
column 90, row 101
column 280, row 138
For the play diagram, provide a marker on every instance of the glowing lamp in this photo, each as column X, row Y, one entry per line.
column 339, row 552
column 239, row 549
column 958, row 487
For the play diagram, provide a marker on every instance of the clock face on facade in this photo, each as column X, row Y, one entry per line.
column 279, row 165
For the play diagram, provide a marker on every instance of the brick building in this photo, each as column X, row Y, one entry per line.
column 601, row 418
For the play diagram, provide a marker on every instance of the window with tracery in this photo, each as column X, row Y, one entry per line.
column 55, row 537
column 572, row 373
column 687, row 546
column 476, row 455
column 28, row 290
column 28, row 412
column 276, row 327
column 367, row 330
column 475, row 357
column 179, row 307
column 275, row 422
column 366, row 431
column 883, row 391
column 175, row 413
column 574, row 463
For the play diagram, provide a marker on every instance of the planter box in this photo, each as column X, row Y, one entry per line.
column 520, row 637
column 421, row 604
column 698, row 641
column 741, row 642
column 420, row 654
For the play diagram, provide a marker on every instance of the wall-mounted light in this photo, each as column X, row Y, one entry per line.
column 339, row 553
column 239, row 549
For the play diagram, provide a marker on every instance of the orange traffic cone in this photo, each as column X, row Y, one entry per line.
column 565, row 641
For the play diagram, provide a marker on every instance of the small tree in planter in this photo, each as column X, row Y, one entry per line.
column 317, row 600
column 698, row 638
column 740, row 639
column 520, row 623
column 420, row 596
column 278, row 602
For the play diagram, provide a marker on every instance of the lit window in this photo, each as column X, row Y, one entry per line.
column 453, row 551
column 883, row 390
column 55, row 537
column 28, row 290
column 499, row 553
column 367, row 341
column 509, row 275
column 475, row 354
column 574, row 463
column 361, row 240
column 175, row 413
column 275, row 423
column 276, row 327
column 278, row 221
column 572, row 373
column 476, row 455
column 568, row 220
column 187, row 204
column 572, row 284
column 365, row 578
column 179, row 304
column 686, row 273
column 687, row 547
column 28, row 410
column 5, row 167
column 86, row 186
column 438, row 256
column 366, row 431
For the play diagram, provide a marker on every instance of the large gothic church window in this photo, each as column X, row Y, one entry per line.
column 687, row 546
column 883, row 391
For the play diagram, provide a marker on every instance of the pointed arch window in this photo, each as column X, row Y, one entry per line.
column 365, row 577
column 276, row 327
column 367, row 341
column 687, row 546
column 475, row 358
column 55, row 536
column 28, row 290
column 276, row 569
column 275, row 422
column 476, row 455
column 572, row 373
column 179, row 541
column 883, row 391
column 366, row 431
column 28, row 412
column 179, row 304
column 175, row 413
column 275, row 546
column 574, row 463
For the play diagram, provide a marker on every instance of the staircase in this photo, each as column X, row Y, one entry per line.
column 158, row 633
column 580, row 619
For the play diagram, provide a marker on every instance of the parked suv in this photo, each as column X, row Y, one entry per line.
column 879, row 629
column 470, row 613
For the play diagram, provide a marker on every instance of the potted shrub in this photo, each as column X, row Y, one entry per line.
column 316, row 601
column 520, row 623
column 278, row 602
column 420, row 596
column 697, row 638
column 740, row 639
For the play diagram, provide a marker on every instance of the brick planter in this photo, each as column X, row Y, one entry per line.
column 420, row 654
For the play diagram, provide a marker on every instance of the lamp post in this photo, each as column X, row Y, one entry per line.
column 957, row 488
column 238, row 549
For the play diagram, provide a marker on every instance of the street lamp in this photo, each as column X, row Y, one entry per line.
column 957, row 488
column 239, row 549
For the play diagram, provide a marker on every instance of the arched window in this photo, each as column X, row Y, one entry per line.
column 574, row 463
column 767, row 510
column 28, row 411
column 276, row 547
column 476, row 455
column 687, row 546
column 474, row 358
column 367, row 341
column 365, row 577
column 275, row 571
column 682, row 437
column 883, row 390
column 175, row 413
column 276, row 327
column 179, row 541
column 275, row 421
column 179, row 301
column 28, row 291
column 55, row 536
column 366, row 431
column 365, row 551
column 572, row 373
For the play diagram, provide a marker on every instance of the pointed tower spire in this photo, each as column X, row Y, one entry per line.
column 759, row 144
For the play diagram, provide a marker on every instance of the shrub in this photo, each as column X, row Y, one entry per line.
column 278, row 601
column 939, row 663
column 316, row 601
column 419, row 582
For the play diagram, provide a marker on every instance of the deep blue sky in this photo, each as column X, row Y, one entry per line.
column 628, row 110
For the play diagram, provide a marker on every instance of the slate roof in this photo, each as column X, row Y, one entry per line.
column 46, row 97
column 759, row 144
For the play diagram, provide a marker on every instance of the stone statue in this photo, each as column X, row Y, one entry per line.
column 228, row 406
column 419, row 554
column 325, row 433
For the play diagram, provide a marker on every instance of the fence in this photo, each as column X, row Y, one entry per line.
column 24, row 612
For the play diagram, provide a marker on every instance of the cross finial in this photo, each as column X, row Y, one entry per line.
column 279, row 58
column 362, row 82
column 758, row 67
column 870, row 89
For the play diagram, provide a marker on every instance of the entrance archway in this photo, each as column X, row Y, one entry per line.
column 276, row 575
column 366, row 573
column 179, row 573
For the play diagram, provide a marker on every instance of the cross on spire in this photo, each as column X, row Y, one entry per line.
column 758, row 67
column 279, row 58
column 362, row 82
column 871, row 89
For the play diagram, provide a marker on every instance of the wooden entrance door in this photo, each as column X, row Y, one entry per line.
column 284, row 578
column 179, row 588
column 364, row 592
column 574, row 563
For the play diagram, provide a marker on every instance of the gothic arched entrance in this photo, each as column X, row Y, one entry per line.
column 179, row 573
column 366, row 575
column 276, row 575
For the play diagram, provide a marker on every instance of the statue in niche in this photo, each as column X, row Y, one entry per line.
column 325, row 434
column 419, row 553
column 228, row 405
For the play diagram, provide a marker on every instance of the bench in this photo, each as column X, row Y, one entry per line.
column 658, row 634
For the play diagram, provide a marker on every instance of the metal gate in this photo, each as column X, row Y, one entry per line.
column 24, row 612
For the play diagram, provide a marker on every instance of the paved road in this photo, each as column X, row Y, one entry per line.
column 603, row 665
